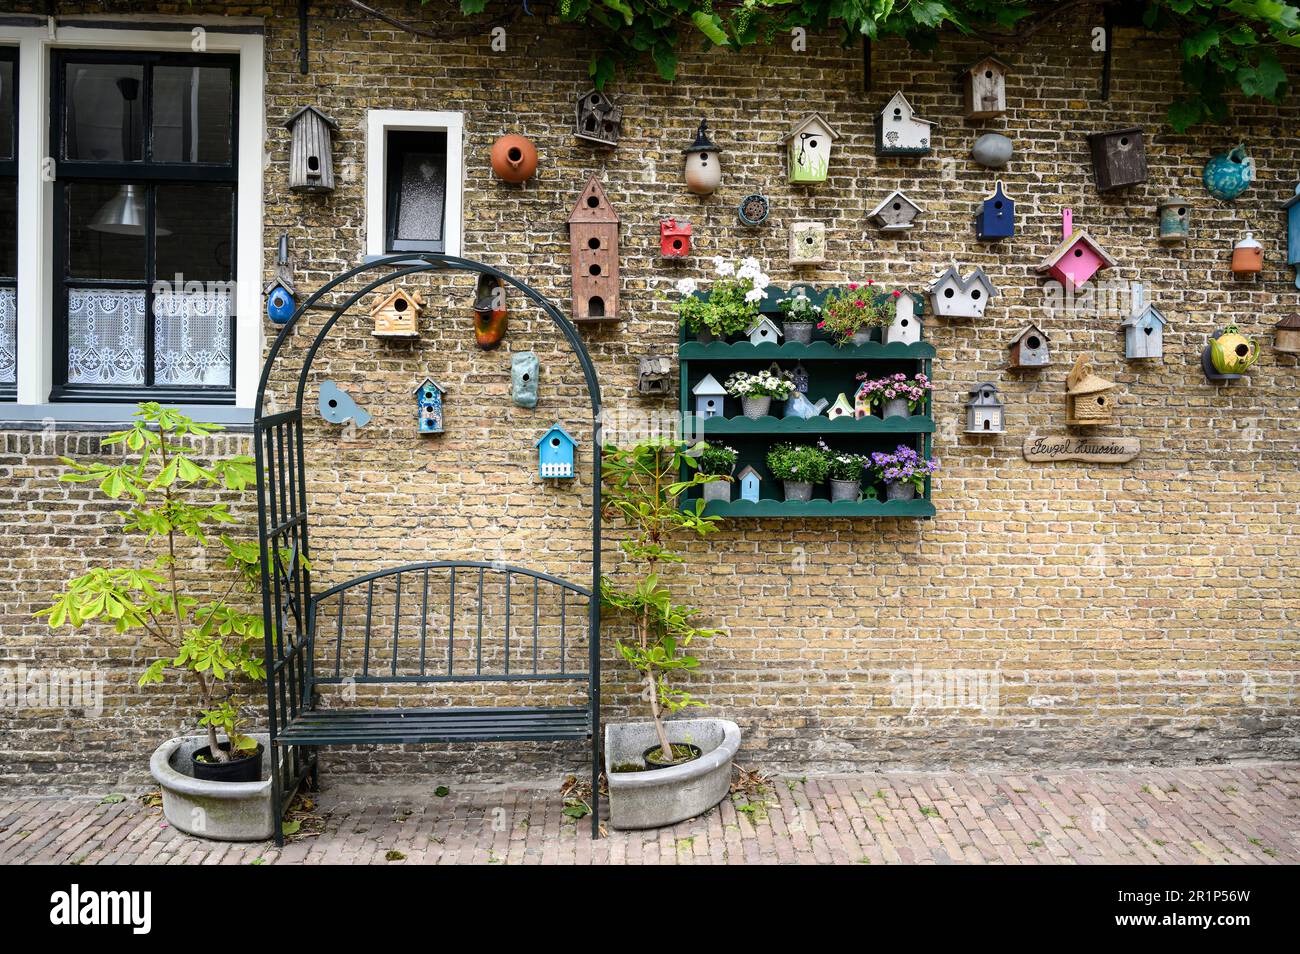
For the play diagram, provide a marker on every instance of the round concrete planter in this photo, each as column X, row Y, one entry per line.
column 221, row 811
column 668, row 795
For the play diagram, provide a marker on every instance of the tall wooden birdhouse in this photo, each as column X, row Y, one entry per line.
column 996, row 218
column 709, row 397
column 555, row 454
column 1144, row 329
column 1077, row 258
column 1029, row 349
column 1119, row 158
column 397, row 314
column 428, row 402
column 1286, row 334
column 674, row 238
column 984, row 411
column 599, row 119
column 593, row 246
column 896, row 213
column 808, row 150
column 311, row 161
column 985, row 87
column 1292, row 207
column 1175, row 220
column 906, row 326
column 952, row 296
column 807, row 243
column 900, row 132
column 1088, row 398
column 654, row 375
column 751, row 484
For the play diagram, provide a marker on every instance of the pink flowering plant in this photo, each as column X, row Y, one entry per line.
column 730, row 304
column 880, row 391
column 903, row 466
column 860, row 306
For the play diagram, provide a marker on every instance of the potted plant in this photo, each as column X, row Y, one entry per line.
column 729, row 306
column 896, row 395
column 719, row 462
column 845, row 472
column 799, row 467
column 756, row 391
column 903, row 472
column 212, row 783
column 799, row 316
column 849, row 315
column 665, row 770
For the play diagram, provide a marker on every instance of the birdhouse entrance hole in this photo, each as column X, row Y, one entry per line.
column 594, row 270
column 514, row 154
column 593, row 243
column 677, row 245
column 313, row 163
column 987, row 423
column 1033, row 342
column 593, row 202
column 596, row 307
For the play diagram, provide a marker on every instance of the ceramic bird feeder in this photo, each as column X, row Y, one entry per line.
column 514, row 158
column 1247, row 256
column 996, row 218
column 1175, row 220
column 593, row 250
column 1229, row 174
column 1144, row 329
column 808, row 150
column 654, row 376
column 674, row 238
column 428, row 401
column 952, row 296
column 1077, row 258
column 525, row 371
column 397, row 314
column 556, row 450
column 1030, row 348
column 1088, row 400
column 311, row 161
column 896, row 213
column 1286, row 334
column 1292, row 208
column 599, row 119
column 900, row 132
column 807, row 243
column 984, row 85
column 985, row 413
column 703, row 163
column 1119, row 158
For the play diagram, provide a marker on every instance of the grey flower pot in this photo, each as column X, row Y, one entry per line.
column 797, row 332
column 668, row 795
column 798, row 489
column 755, row 407
column 845, row 489
column 862, row 337
column 221, row 811
column 705, row 336
column 896, row 408
column 900, row 491
column 718, row 490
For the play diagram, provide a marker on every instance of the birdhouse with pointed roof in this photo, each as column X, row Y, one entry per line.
column 709, row 397
column 985, row 413
column 593, row 249
column 896, row 213
column 763, row 331
column 808, row 150
column 841, row 408
column 311, row 160
column 984, row 85
column 907, row 324
column 556, row 451
column 397, row 314
column 1029, row 349
column 1286, row 334
column 1119, row 158
column 900, row 132
column 1088, row 398
column 1144, row 329
column 428, row 402
column 996, row 218
column 1077, row 258
column 953, row 296
column 751, row 484
column 598, row 119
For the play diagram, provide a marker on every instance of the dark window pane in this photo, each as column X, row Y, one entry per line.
column 8, row 228
column 417, row 181
column 106, row 230
column 198, row 222
column 105, row 112
column 7, row 105
column 191, row 114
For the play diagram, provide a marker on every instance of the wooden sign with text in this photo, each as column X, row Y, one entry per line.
column 1093, row 450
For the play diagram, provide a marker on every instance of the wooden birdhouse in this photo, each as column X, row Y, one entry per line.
column 555, row 454
column 841, row 408
column 900, row 132
column 984, row 411
column 525, row 377
column 807, row 243
column 1077, row 258
column 996, row 218
column 593, row 246
column 1119, row 158
column 1292, row 207
column 674, row 238
column 397, row 314
column 955, row 297
column 1029, row 349
column 1144, row 329
column 751, row 484
column 428, row 402
column 1088, row 398
column 985, row 87
column 709, row 397
column 599, row 119
column 799, row 378
column 311, row 161
column 1175, row 220
column 1247, row 256
column 1286, row 334
column 896, row 213
column 808, row 150
column 906, row 326
column 763, row 331
column 654, row 375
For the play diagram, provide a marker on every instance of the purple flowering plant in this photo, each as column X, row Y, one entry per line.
column 903, row 466
column 879, row 391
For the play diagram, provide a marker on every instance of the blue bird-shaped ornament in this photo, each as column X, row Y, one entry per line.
column 337, row 406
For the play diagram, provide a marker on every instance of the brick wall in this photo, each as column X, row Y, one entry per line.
column 1135, row 613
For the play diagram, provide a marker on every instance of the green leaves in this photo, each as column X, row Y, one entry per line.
column 1265, row 79
column 710, row 24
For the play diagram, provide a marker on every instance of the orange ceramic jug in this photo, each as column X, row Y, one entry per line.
column 1247, row 256
column 514, row 158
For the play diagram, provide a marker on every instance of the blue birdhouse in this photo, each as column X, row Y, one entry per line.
column 1292, row 206
column 555, row 453
column 750, row 483
column 428, row 400
column 280, row 305
column 997, row 216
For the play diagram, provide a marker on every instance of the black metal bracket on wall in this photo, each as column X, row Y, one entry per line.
column 303, row 49
column 866, row 64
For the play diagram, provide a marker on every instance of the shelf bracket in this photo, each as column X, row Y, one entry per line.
column 303, row 48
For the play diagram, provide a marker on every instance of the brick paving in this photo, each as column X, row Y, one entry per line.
column 1239, row 814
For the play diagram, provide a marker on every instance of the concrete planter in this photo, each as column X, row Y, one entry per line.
column 221, row 811
column 668, row 795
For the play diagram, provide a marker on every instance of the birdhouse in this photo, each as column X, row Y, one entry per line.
column 703, row 164
column 1229, row 174
column 1077, row 258
column 985, row 87
column 709, row 397
column 674, row 238
column 899, row 131
column 1144, row 330
column 598, row 120
column 754, row 209
column 750, row 484
column 1286, row 334
column 593, row 246
column 654, row 375
column 1292, row 207
column 1247, row 256
column 996, row 218
column 955, row 297
column 906, row 325
column 896, row 213
column 524, row 374
column 280, row 304
column 397, row 314
column 1088, row 400
column 841, row 408
column 1228, row 354
column 311, row 161
column 799, row 378
column 763, row 331
column 984, row 411
column 1175, row 220
column 1119, row 158
column 807, row 243
column 338, row 407
column 808, row 150
column 1029, row 349
column 428, row 401
column 555, row 453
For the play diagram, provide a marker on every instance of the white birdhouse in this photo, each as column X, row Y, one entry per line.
column 900, row 132
column 841, row 408
column 1144, row 330
column 955, row 297
column 763, row 331
column 985, row 85
column 906, row 326
column 896, row 213
column 807, row 243
column 808, row 150
column 709, row 395
column 984, row 411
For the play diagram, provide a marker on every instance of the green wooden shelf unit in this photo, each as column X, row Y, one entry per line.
column 831, row 370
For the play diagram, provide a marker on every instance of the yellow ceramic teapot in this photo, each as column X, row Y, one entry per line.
column 1232, row 352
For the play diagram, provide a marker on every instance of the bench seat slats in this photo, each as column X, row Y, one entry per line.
column 411, row 726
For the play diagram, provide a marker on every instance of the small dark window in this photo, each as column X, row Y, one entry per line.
column 417, row 191
column 8, row 224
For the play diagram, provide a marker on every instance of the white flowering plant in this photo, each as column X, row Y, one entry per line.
column 742, row 384
column 730, row 304
column 800, row 308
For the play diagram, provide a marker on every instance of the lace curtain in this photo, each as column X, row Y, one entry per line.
column 192, row 339
column 8, row 336
column 105, row 336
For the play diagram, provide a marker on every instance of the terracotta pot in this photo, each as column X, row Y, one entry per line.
column 514, row 158
column 1247, row 256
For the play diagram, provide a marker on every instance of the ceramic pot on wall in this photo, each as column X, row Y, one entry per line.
column 514, row 158
column 1229, row 174
column 703, row 165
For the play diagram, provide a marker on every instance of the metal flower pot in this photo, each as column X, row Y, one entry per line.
column 798, row 489
column 718, row 490
column 900, row 490
column 797, row 332
column 896, row 408
column 755, row 407
column 705, row 336
column 845, row 489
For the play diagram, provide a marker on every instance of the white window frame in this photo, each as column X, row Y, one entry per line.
column 379, row 123
column 36, row 201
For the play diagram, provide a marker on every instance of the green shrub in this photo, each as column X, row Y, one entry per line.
column 798, row 462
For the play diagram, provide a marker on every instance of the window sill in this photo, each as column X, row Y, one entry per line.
column 90, row 414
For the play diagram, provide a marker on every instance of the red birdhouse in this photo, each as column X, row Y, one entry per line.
column 674, row 238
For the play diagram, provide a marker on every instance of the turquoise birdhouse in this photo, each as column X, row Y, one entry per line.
column 555, row 453
column 1292, row 206
column 428, row 400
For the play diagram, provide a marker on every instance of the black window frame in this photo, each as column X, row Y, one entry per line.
column 151, row 174
column 9, row 172
column 399, row 142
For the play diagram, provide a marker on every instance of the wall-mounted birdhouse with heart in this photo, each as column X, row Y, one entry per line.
column 1144, row 329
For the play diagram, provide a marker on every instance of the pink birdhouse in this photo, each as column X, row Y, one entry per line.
column 1077, row 258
